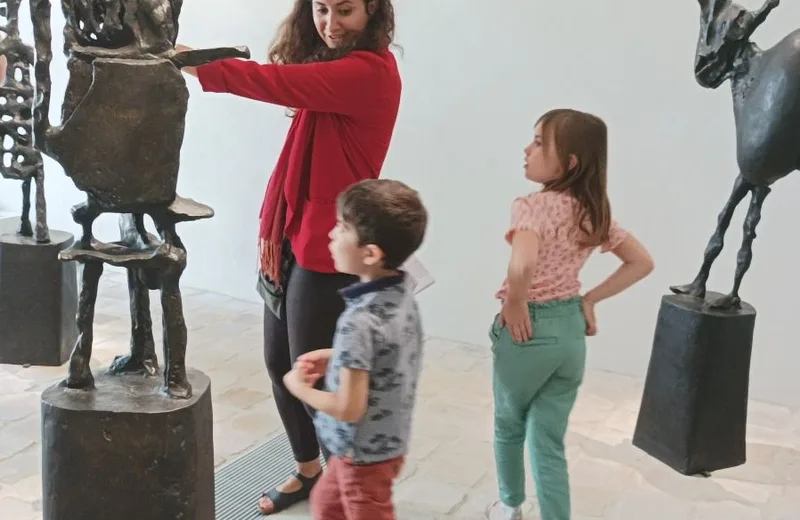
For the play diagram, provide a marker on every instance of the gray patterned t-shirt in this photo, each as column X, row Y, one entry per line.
column 380, row 332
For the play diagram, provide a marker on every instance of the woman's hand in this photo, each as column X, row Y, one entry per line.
column 192, row 71
column 515, row 316
column 587, row 304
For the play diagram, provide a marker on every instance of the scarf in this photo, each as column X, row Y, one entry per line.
column 271, row 229
column 288, row 181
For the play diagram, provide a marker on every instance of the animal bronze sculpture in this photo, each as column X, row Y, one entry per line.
column 123, row 123
column 765, row 87
column 20, row 158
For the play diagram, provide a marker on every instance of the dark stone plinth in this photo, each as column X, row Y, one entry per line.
column 38, row 299
column 128, row 452
column 694, row 408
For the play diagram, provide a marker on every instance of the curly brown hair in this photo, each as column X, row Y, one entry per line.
column 586, row 137
column 297, row 40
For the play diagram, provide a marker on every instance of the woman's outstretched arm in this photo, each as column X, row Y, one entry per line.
column 337, row 86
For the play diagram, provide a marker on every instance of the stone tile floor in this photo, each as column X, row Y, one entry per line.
column 450, row 471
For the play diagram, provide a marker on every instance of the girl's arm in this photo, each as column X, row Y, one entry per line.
column 522, row 266
column 337, row 86
column 636, row 264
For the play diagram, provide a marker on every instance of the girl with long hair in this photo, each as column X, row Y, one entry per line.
column 538, row 338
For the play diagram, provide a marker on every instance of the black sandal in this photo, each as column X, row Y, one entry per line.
column 283, row 501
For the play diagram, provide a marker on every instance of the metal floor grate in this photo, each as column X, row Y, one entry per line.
column 240, row 482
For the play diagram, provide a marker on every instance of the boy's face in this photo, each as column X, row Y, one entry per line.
column 348, row 256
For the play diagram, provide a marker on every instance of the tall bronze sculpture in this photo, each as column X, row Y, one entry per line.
column 694, row 409
column 144, row 448
column 20, row 159
column 123, row 123
column 38, row 296
column 766, row 105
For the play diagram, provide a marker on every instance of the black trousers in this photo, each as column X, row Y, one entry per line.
column 313, row 305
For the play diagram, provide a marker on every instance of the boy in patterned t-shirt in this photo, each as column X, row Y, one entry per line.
column 371, row 373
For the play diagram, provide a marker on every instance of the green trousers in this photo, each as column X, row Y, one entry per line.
column 535, row 385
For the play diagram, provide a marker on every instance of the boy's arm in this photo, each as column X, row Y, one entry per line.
column 348, row 404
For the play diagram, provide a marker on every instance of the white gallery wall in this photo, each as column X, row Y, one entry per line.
column 475, row 78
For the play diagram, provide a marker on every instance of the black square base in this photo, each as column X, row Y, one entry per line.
column 126, row 451
column 38, row 299
column 694, row 408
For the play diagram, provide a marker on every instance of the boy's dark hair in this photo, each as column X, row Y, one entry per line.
column 385, row 213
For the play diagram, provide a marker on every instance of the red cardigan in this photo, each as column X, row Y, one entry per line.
column 350, row 105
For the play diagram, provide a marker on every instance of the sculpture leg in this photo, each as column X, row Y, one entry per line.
column 745, row 256
column 698, row 287
column 25, row 229
column 42, row 231
column 85, row 214
column 175, row 337
column 172, row 304
column 80, row 373
column 142, row 358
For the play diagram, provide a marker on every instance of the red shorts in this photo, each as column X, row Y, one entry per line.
column 355, row 492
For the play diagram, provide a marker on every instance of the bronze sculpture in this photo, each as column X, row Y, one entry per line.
column 38, row 294
column 123, row 123
column 693, row 415
column 20, row 158
column 122, row 128
column 765, row 87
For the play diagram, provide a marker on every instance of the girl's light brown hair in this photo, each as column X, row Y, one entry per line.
column 297, row 40
column 584, row 136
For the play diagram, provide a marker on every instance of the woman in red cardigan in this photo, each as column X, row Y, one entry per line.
column 331, row 66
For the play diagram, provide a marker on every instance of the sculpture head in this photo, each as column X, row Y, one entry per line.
column 725, row 29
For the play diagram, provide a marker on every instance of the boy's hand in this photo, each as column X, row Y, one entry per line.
column 314, row 364
column 295, row 382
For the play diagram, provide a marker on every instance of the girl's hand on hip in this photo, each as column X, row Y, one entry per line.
column 514, row 315
column 587, row 304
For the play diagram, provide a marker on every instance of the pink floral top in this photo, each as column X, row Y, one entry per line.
column 551, row 215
